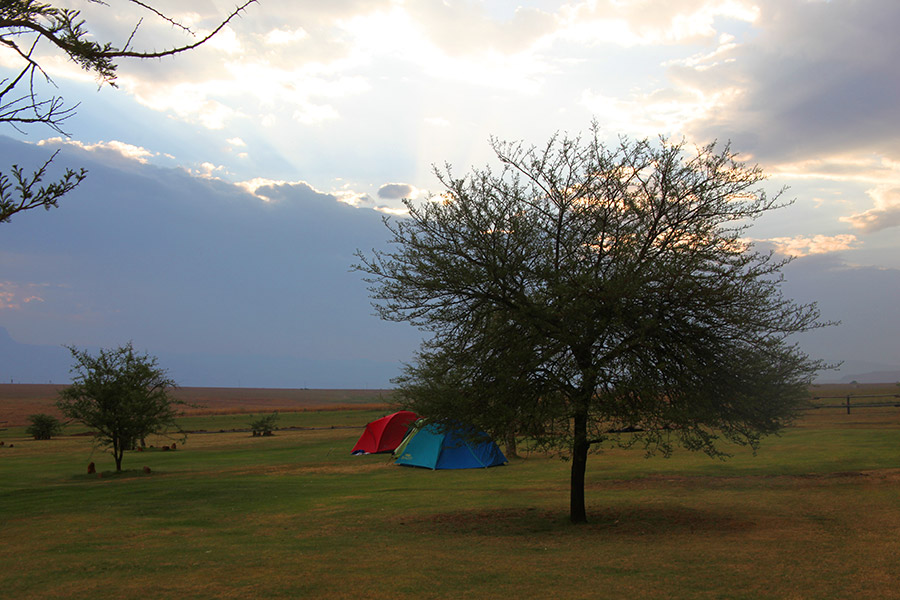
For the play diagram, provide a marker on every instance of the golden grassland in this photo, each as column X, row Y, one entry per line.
column 17, row 401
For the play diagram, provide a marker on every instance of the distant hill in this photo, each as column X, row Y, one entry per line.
column 861, row 372
column 873, row 377
column 26, row 363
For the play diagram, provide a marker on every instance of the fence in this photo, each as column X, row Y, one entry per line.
column 848, row 398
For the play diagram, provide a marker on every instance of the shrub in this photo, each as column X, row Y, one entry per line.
column 264, row 425
column 43, row 427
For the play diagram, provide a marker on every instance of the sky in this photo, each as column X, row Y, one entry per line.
column 229, row 186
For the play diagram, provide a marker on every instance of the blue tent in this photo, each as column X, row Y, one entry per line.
column 430, row 447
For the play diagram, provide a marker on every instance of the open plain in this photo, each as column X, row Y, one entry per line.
column 814, row 514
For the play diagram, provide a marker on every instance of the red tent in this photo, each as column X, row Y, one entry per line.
column 384, row 434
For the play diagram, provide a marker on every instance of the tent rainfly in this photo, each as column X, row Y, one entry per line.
column 434, row 447
column 384, row 434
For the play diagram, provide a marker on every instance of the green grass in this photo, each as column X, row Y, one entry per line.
column 814, row 514
column 309, row 418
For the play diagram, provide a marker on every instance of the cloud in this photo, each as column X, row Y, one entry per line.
column 397, row 191
column 275, row 191
column 190, row 101
column 858, row 168
column 256, row 64
column 884, row 215
column 7, row 298
column 13, row 295
column 122, row 149
column 195, row 265
column 271, row 190
column 303, row 63
column 817, row 79
column 356, row 199
column 393, row 211
column 457, row 42
column 310, row 114
column 464, row 27
column 278, row 37
column 437, row 122
column 209, row 170
column 706, row 60
column 646, row 22
column 808, row 245
column 661, row 111
column 145, row 32
column 226, row 41
column 374, row 91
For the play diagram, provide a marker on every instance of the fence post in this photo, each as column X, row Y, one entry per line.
column 848, row 404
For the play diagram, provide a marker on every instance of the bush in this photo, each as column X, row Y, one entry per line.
column 264, row 425
column 43, row 427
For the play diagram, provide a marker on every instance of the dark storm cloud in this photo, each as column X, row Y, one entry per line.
column 201, row 267
column 820, row 78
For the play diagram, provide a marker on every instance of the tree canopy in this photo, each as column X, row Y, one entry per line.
column 588, row 293
column 24, row 26
column 120, row 395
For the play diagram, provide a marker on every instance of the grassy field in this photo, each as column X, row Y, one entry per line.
column 815, row 514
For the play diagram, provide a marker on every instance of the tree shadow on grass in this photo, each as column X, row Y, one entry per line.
column 113, row 475
column 621, row 521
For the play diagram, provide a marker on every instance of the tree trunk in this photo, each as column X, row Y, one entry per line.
column 580, row 447
column 511, row 451
column 118, row 452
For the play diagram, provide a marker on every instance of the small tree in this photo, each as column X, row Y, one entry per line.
column 122, row 396
column 43, row 426
column 264, row 425
column 588, row 290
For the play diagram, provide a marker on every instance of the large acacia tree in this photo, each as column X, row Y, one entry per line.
column 27, row 26
column 587, row 293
